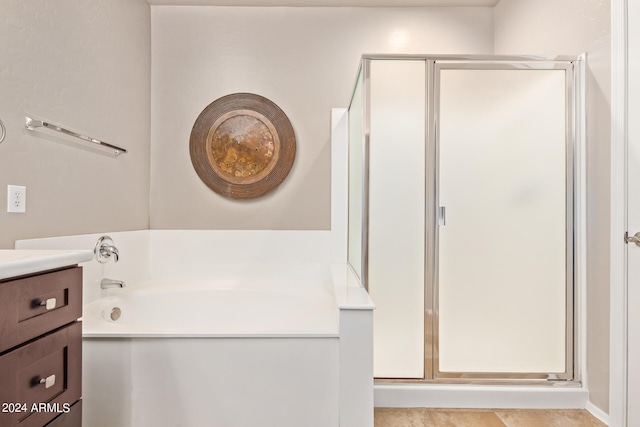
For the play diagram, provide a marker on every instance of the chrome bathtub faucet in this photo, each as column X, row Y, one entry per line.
column 105, row 249
column 111, row 283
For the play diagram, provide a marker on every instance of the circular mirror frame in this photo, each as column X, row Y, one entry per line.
column 245, row 184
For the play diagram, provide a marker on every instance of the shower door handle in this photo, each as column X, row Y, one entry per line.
column 633, row 239
column 442, row 216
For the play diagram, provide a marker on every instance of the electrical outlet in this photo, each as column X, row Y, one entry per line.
column 16, row 198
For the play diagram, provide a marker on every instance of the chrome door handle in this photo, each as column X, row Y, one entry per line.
column 633, row 239
column 442, row 216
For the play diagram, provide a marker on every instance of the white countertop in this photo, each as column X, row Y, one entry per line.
column 20, row 262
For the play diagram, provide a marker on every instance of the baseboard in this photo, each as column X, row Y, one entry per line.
column 597, row 412
column 474, row 396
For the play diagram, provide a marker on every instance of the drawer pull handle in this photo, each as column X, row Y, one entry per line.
column 48, row 382
column 49, row 304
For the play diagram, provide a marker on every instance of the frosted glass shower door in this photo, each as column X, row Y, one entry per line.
column 503, row 244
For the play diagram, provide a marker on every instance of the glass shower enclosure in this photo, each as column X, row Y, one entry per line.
column 461, row 214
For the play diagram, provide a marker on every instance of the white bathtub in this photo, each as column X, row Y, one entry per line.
column 213, row 353
column 215, row 308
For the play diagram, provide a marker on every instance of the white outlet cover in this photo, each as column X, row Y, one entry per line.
column 16, row 199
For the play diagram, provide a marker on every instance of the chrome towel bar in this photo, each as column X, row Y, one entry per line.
column 32, row 124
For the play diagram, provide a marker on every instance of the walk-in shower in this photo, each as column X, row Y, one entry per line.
column 462, row 214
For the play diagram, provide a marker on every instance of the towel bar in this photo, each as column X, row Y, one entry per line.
column 31, row 124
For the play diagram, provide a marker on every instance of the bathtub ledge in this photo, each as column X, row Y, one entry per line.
column 350, row 295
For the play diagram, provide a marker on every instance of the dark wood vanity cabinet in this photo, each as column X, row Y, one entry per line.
column 41, row 349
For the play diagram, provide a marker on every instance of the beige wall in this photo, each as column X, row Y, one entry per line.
column 303, row 59
column 84, row 64
column 571, row 27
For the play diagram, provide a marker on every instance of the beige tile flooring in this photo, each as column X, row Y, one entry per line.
column 423, row 417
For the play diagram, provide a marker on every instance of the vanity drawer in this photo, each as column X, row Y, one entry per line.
column 60, row 293
column 42, row 379
column 73, row 418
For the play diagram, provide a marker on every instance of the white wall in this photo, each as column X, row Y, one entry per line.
column 83, row 64
column 571, row 27
column 303, row 59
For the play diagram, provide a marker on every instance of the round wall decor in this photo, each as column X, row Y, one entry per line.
column 242, row 146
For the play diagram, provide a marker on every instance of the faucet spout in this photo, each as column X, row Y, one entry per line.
column 111, row 283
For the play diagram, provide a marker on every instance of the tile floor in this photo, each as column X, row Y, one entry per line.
column 423, row 417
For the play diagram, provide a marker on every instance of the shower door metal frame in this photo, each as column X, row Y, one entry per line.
column 432, row 242
column 574, row 123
